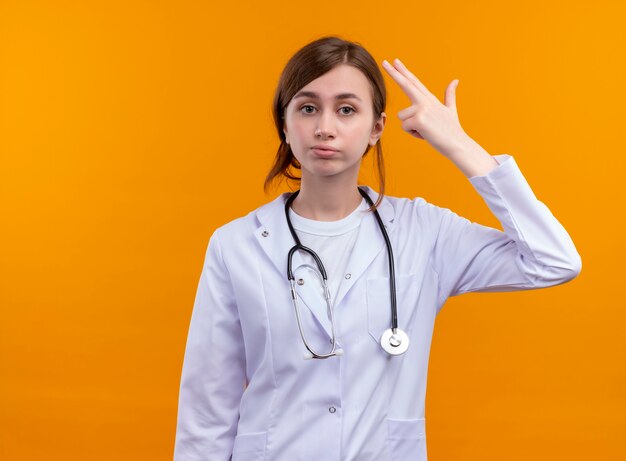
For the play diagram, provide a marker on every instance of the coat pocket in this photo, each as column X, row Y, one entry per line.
column 406, row 439
column 379, row 304
column 250, row 447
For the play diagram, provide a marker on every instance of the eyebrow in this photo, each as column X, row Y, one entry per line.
column 313, row 95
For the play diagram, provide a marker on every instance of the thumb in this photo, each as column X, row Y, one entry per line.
column 450, row 96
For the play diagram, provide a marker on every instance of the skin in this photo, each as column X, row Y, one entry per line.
column 318, row 116
column 315, row 116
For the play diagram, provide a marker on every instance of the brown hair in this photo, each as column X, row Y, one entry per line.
column 309, row 63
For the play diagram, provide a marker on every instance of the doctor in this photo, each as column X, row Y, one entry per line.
column 284, row 365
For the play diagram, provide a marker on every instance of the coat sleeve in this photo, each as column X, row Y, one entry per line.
column 213, row 374
column 534, row 251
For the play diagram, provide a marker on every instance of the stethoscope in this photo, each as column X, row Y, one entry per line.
column 394, row 341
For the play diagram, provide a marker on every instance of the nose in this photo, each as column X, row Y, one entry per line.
column 325, row 126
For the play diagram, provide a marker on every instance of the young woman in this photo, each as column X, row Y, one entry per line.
column 312, row 325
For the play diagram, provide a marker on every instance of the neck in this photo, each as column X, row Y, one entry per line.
column 326, row 200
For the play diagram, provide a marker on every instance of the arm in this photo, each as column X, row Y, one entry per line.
column 214, row 373
column 534, row 251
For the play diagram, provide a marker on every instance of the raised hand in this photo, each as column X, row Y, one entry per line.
column 426, row 118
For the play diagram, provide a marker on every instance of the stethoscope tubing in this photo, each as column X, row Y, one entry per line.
column 392, row 272
column 322, row 271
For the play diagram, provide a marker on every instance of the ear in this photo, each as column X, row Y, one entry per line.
column 377, row 129
column 285, row 131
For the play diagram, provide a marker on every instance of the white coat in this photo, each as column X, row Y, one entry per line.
column 365, row 405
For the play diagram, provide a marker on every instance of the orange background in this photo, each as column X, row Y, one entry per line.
column 130, row 130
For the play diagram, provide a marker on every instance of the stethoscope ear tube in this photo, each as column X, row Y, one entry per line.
column 298, row 245
column 312, row 353
column 314, row 255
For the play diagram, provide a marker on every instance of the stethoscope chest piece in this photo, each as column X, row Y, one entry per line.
column 394, row 343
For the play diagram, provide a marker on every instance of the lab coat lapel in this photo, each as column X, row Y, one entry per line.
column 370, row 242
column 273, row 235
column 275, row 239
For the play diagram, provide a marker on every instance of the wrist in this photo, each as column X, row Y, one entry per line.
column 472, row 159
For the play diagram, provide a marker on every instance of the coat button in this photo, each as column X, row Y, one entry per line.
column 332, row 409
column 265, row 233
column 300, row 282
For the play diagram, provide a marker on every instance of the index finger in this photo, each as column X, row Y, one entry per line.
column 407, row 85
column 399, row 65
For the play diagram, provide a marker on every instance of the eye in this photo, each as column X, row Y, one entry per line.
column 346, row 110
column 307, row 109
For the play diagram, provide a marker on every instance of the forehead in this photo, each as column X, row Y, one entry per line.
column 341, row 79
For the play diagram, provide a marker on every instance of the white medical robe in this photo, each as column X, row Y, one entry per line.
column 364, row 405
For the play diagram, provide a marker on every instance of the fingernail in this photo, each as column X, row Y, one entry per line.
column 397, row 61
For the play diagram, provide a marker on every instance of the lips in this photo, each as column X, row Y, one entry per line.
column 323, row 147
column 324, row 152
